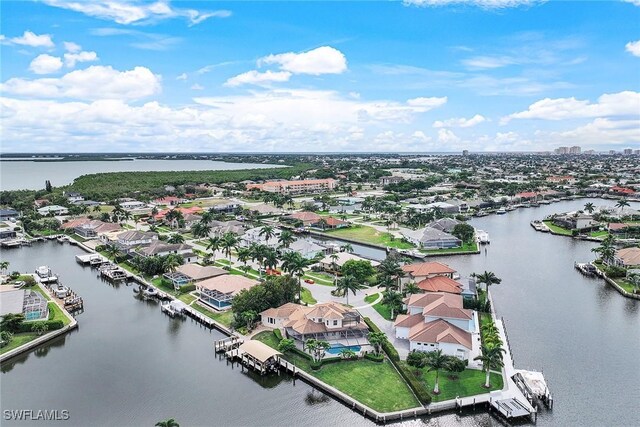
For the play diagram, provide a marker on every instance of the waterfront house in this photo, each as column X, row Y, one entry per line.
column 431, row 238
column 575, row 221
column 254, row 236
column 127, row 241
column 330, row 223
column 307, row 218
column 420, row 271
column 437, row 320
column 90, row 228
column 440, row 284
column 444, row 224
column 306, row 248
column 23, row 301
column 197, row 272
column 218, row 291
column 627, row 257
column 160, row 248
column 330, row 321
column 219, row 228
column 53, row 210
column 327, row 263
column 7, row 214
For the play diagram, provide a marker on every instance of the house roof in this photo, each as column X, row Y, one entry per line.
column 445, row 224
column 305, row 216
column 408, row 320
column 198, row 272
column 282, row 311
column 440, row 304
column 344, row 257
column 159, row 247
column 427, row 268
column 440, row 284
column 440, row 331
column 299, row 317
column 629, row 256
column 136, row 235
column 227, row 284
column 258, row 350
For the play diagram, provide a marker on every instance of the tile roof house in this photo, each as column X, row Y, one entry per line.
column 327, row 321
column 445, row 224
column 306, row 217
column 437, row 320
column 423, row 270
column 197, row 272
column 628, row 257
column 440, row 284
column 219, row 291
column 89, row 228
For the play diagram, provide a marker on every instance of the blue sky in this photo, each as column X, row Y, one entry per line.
column 423, row 75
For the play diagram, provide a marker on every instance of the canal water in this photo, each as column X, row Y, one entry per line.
column 128, row 364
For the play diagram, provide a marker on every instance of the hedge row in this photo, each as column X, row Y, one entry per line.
column 418, row 388
column 374, row 358
column 52, row 325
column 387, row 346
column 278, row 334
column 187, row 288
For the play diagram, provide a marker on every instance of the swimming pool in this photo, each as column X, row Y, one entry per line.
column 337, row 348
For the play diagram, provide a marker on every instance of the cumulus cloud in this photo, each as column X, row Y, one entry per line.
column 485, row 4
column 95, row 82
column 322, row 60
column 29, row 38
column 422, row 104
column 459, row 122
column 633, row 48
column 257, row 78
column 70, row 59
column 446, row 136
column 45, row 64
column 625, row 103
column 182, row 76
column 135, row 12
column 72, row 47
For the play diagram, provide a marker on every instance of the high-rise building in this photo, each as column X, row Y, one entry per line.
column 575, row 150
column 465, row 152
column 612, row 152
column 627, row 151
column 562, row 150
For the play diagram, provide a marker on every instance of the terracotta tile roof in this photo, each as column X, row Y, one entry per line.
column 440, row 331
column 440, row 284
column 306, row 216
column 440, row 304
column 427, row 268
column 408, row 320
column 198, row 272
column 618, row 225
column 227, row 284
column 283, row 311
column 629, row 256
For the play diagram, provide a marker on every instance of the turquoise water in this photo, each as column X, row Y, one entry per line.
column 337, row 348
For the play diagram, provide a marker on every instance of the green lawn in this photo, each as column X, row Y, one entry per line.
column 383, row 310
column 77, row 238
column 58, row 314
column 599, row 233
column 557, row 229
column 625, row 285
column 307, row 298
column 377, row 385
column 18, row 340
column 467, row 247
column 223, row 317
column 362, row 233
column 371, row 298
column 319, row 279
column 468, row 383
column 187, row 298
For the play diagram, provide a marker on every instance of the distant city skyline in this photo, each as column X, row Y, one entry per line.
column 424, row 76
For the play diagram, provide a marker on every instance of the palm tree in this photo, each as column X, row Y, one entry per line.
column 176, row 238
column 171, row 263
column 112, row 251
column 228, row 243
column 201, row 229
column 435, row 362
column 270, row 260
column 393, row 300
column 391, row 269
column 334, row 267
column 607, row 249
column 491, row 358
column 244, row 255
column 213, row 245
column 267, row 232
column 488, row 278
column 4, row 265
column 286, row 239
column 377, row 340
column 589, row 207
column 411, row 288
column 622, row 203
column 349, row 283
column 346, row 353
column 294, row 264
column 346, row 248
column 168, row 423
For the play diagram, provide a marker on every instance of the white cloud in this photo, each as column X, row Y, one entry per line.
column 197, row 87
column 460, row 122
column 625, row 103
column 30, row 39
column 70, row 59
column 485, row 4
column 601, row 131
column 95, row 82
column 446, row 136
column 633, row 2
column 135, row 12
column 425, row 104
column 72, row 47
column 488, row 62
column 633, row 47
column 182, row 76
column 45, row 64
column 322, row 60
column 257, row 78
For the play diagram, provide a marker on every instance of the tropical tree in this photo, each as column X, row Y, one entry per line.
column 244, row 255
column 607, row 249
column 411, row 288
column 5, row 338
column 334, row 267
column 168, row 423
column 112, row 251
column 39, row 328
column 317, row 349
column 436, row 361
column 488, row 278
column 258, row 253
column 268, row 232
column 176, row 238
column 270, row 260
column 393, row 300
column 286, row 239
column 4, row 265
column 346, row 353
column 377, row 340
column 622, row 203
column 589, row 207
column 286, row 345
column 11, row 322
column 213, row 245
column 200, row 229
column 249, row 317
column 349, row 283
column 294, row 264
column 491, row 358
column 228, row 243
column 347, row 247
column 172, row 262
column 391, row 270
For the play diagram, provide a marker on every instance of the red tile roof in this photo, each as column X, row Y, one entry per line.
column 440, row 331
column 427, row 268
column 440, row 284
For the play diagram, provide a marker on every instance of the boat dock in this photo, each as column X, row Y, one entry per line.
column 113, row 273
column 585, row 268
column 93, row 260
column 482, row 237
column 540, row 226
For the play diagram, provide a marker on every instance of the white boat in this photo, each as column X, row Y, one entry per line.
column 60, row 291
column 173, row 308
column 150, row 291
column 501, row 211
column 43, row 271
column 482, row 237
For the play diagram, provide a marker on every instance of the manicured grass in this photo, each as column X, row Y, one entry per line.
column 625, row 285
column 467, row 247
column 371, row 298
column 468, row 383
column 222, row 317
column 556, row 229
column 307, row 298
column 57, row 313
column 77, row 238
column 320, row 280
column 187, row 298
column 18, row 340
column 599, row 233
column 377, row 385
column 362, row 233
column 383, row 311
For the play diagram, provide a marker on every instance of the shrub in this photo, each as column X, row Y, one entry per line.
column 374, row 358
column 329, row 360
column 301, row 353
column 51, row 325
column 187, row 288
column 315, row 366
column 615, row 272
column 418, row 388
column 388, row 348
column 278, row 334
